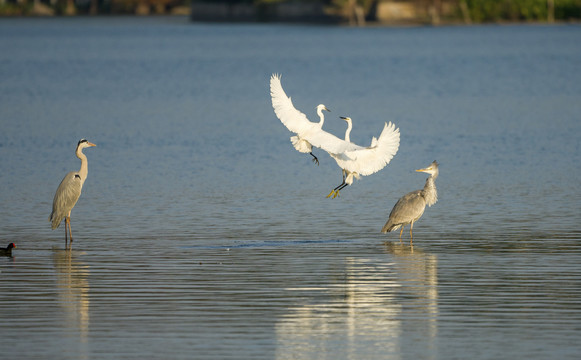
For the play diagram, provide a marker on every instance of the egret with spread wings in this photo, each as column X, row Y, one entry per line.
column 354, row 160
column 357, row 161
column 308, row 133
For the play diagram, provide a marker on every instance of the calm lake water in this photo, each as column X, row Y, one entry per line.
column 201, row 233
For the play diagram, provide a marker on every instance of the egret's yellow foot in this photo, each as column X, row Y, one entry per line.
column 336, row 194
column 331, row 193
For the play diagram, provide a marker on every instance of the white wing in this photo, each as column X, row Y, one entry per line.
column 330, row 143
column 366, row 161
column 298, row 122
column 293, row 119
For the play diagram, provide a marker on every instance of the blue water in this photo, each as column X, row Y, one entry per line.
column 201, row 232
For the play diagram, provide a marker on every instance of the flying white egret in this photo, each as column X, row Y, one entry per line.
column 69, row 191
column 296, row 121
column 359, row 161
column 411, row 206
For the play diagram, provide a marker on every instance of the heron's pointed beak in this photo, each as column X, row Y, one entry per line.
column 90, row 144
column 424, row 170
column 327, row 109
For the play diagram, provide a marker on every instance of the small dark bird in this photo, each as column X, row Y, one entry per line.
column 7, row 250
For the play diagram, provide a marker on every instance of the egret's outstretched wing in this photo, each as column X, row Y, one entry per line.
column 366, row 161
column 330, row 143
column 284, row 109
column 65, row 198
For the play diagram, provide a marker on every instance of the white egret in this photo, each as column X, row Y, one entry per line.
column 69, row 191
column 357, row 161
column 296, row 121
column 411, row 206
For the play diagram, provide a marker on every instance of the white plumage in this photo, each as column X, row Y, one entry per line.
column 364, row 161
column 354, row 160
column 308, row 133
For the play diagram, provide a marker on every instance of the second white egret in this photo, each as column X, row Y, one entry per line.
column 362, row 161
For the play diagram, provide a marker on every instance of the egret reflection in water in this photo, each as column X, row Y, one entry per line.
column 373, row 299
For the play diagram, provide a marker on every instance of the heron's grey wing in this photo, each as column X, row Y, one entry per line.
column 409, row 207
column 369, row 160
column 65, row 198
column 284, row 109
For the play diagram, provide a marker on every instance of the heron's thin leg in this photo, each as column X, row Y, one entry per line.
column 70, row 231
column 70, row 234
column 400, row 232
column 411, row 235
column 66, row 239
column 315, row 160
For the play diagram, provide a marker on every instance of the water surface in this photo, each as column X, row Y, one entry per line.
column 201, row 232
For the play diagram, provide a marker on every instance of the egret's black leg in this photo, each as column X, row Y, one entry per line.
column 315, row 160
column 335, row 191
column 341, row 187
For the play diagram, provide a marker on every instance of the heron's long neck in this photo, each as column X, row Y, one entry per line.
column 321, row 116
column 84, row 165
column 430, row 192
column 348, row 131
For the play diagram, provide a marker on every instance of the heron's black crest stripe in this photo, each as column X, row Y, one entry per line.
column 77, row 176
column 82, row 141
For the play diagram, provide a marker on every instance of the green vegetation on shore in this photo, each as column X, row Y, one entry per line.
column 424, row 11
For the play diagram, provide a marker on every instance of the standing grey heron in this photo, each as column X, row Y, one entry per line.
column 297, row 122
column 411, row 206
column 69, row 191
column 357, row 161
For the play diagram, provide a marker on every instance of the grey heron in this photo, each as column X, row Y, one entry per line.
column 359, row 161
column 411, row 206
column 69, row 191
column 295, row 120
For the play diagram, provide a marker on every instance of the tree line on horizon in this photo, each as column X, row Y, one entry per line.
column 476, row 11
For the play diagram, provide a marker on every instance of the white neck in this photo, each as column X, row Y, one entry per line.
column 321, row 116
column 430, row 192
column 348, row 131
column 84, row 171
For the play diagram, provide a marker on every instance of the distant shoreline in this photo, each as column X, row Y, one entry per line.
column 370, row 24
column 385, row 14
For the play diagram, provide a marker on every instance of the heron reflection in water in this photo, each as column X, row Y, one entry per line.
column 411, row 206
column 72, row 288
